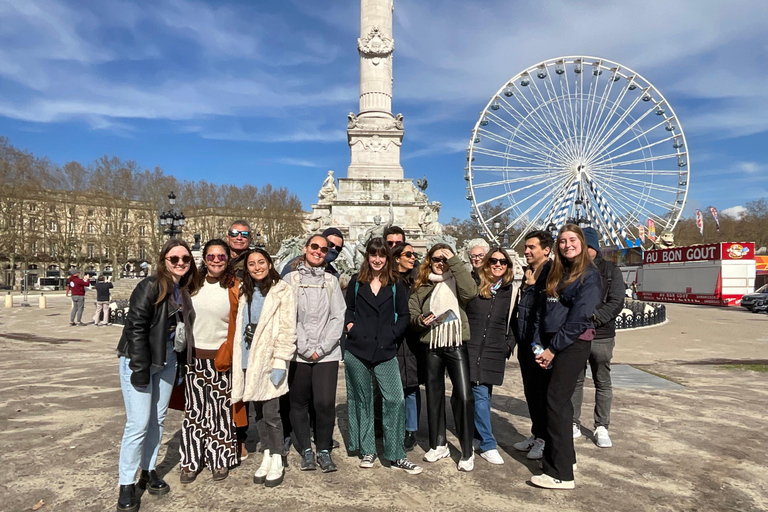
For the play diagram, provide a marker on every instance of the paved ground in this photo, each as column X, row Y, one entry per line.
column 701, row 446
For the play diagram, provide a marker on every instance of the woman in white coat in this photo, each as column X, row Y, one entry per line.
column 264, row 343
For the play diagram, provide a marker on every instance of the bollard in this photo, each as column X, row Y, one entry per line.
column 42, row 301
column 9, row 300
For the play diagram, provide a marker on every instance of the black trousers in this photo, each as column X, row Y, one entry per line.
column 535, row 383
column 456, row 361
column 313, row 383
column 268, row 424
column 559, row 454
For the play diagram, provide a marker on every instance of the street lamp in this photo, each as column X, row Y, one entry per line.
column 552, row 228
column 504, row 239
column 172, row 221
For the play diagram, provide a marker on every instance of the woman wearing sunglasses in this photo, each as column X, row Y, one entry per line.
column 314, row 370
column 574, row 290
column 442, row 290
column 377, row 315
column 160, row 307
column 207, row 433
column 410, row 351
column 264, row 343
column 489, row 315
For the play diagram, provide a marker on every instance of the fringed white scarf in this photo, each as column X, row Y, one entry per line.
column 443, row 299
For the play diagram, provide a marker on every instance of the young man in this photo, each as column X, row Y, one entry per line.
column 602, row 345
column 393, row 235
column 531, row 299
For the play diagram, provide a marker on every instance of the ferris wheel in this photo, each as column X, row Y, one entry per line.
column 578, row 139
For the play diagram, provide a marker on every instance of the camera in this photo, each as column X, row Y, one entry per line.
column 250, row 329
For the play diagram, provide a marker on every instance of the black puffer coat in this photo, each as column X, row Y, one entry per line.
column 411, row 352
column 489, row 344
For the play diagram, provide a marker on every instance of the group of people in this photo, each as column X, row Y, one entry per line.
column 247, row 344
column 76, row 288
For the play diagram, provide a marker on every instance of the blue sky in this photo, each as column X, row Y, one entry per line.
column 258, row 92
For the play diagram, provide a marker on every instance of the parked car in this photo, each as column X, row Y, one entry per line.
column 748, row 299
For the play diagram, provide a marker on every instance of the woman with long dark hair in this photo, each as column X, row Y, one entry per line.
column 313, row 373
column 158, row 324
column 207, row 432
column 377, row 315
column 566, row 331
column 264, row 344
column 440, row 295
column 488, row 347
column 410, row 351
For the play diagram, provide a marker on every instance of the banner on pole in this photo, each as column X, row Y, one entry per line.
column 651, row 230
column 700, row 222
column 714, row 214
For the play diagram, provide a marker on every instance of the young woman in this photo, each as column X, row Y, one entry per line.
column 410, row 351
column 488, row 347
column 313, row 372
column 573, row 292
column 377, row 315
column 442, row 290
column 207, row 432
column 265, row 342
column 160, row 307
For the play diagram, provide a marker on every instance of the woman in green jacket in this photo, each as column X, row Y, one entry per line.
column 441, row 292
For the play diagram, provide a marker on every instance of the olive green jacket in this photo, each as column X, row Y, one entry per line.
column 466, row 290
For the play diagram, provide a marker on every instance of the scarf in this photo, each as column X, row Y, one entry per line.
column 445, row 333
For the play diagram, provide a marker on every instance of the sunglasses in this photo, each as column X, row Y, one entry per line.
column 175, row 259
column 408, row 254
column 498, row 261
column 438, row 259
column 215, row 257
column 476, row 256
column 235, row 232
column 315, row 247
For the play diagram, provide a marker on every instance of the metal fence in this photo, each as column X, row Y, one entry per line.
column 117, row 315
column 639, row 317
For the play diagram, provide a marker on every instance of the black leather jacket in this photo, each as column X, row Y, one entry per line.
column 145, row 335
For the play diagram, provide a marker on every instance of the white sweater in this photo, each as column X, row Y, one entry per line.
column 211, row 305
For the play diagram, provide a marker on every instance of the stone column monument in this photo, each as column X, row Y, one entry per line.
column 375, row 194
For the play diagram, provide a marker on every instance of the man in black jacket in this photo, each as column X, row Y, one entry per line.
column 602, row 345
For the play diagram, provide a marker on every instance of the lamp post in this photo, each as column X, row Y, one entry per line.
column 172, row 221
column 504, row 240
column 552, row 228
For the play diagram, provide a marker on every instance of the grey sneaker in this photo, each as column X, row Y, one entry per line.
column 368, row 460
column 602, row 438
column 308, row 460
column 325, row 461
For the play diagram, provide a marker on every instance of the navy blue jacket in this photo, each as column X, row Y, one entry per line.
column 569, row 316
column 375, row 335
column 530, row 302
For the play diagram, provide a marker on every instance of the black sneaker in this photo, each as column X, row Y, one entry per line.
column 410, row 440
column 368, row 460
column 308, row 460
column 407, row 466
column 325, row 461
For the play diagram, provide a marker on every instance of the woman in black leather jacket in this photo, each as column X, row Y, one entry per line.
column 160, row 310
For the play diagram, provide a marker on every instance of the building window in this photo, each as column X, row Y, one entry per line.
column 34, row 247
column 125, row 215
column 108, row 231
column 109, row 212
column 142, row 253
column 71, row 228
column 53, row 225
column 32, row 224
column 143, row 231
column 90, row 228
column 72, row 210
column 125, row 229
column 32, row 207
column 89, row 251
column 52, row 250
column 90, row 212
column 106, row 252
column 126, row 253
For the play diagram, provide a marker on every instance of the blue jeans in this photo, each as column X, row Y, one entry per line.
column 483, row 393
column 412, row 408
column 145, row 412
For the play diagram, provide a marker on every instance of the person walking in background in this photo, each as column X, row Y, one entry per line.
column 159, row 320
column 604, row 318
column 102, row 301
column 410, row 351
column 477, row 248
column 573, row 293
column 207, row 432
column 264, row 343
column 313, row 373
column 441, row 292
column 488, row 347
column 376, row 318
column 76, row 289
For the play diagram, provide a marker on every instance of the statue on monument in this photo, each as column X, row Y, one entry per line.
column 428, row 219
column 328, row 191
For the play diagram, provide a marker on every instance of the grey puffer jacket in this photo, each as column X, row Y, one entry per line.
column 320, row 309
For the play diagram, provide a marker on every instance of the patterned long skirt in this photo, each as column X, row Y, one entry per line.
column 208, row 431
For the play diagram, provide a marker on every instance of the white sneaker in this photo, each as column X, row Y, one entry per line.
column 476, row 445
column 537, row 451
column 576, row 431
column 548, row 482
column 524, row 445
column 435, row 454
column 602, row 437
column 468, row 464
column 492, row 456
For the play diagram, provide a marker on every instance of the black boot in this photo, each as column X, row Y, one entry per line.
column 152, row 482
column 127, row 501
column 410, row 440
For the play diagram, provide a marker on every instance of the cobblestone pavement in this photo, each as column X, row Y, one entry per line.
column 699, row 447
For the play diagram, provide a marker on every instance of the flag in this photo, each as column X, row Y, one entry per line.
column 651, row 230
column 714, row 214
column 700, row 222
column 641, row 232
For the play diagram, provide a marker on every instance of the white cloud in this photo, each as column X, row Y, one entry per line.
column 298, row 162
column 734, row 211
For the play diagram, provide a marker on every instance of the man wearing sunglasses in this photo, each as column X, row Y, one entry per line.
column 238, row 239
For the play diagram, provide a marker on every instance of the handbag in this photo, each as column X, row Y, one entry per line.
column 180, row 336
